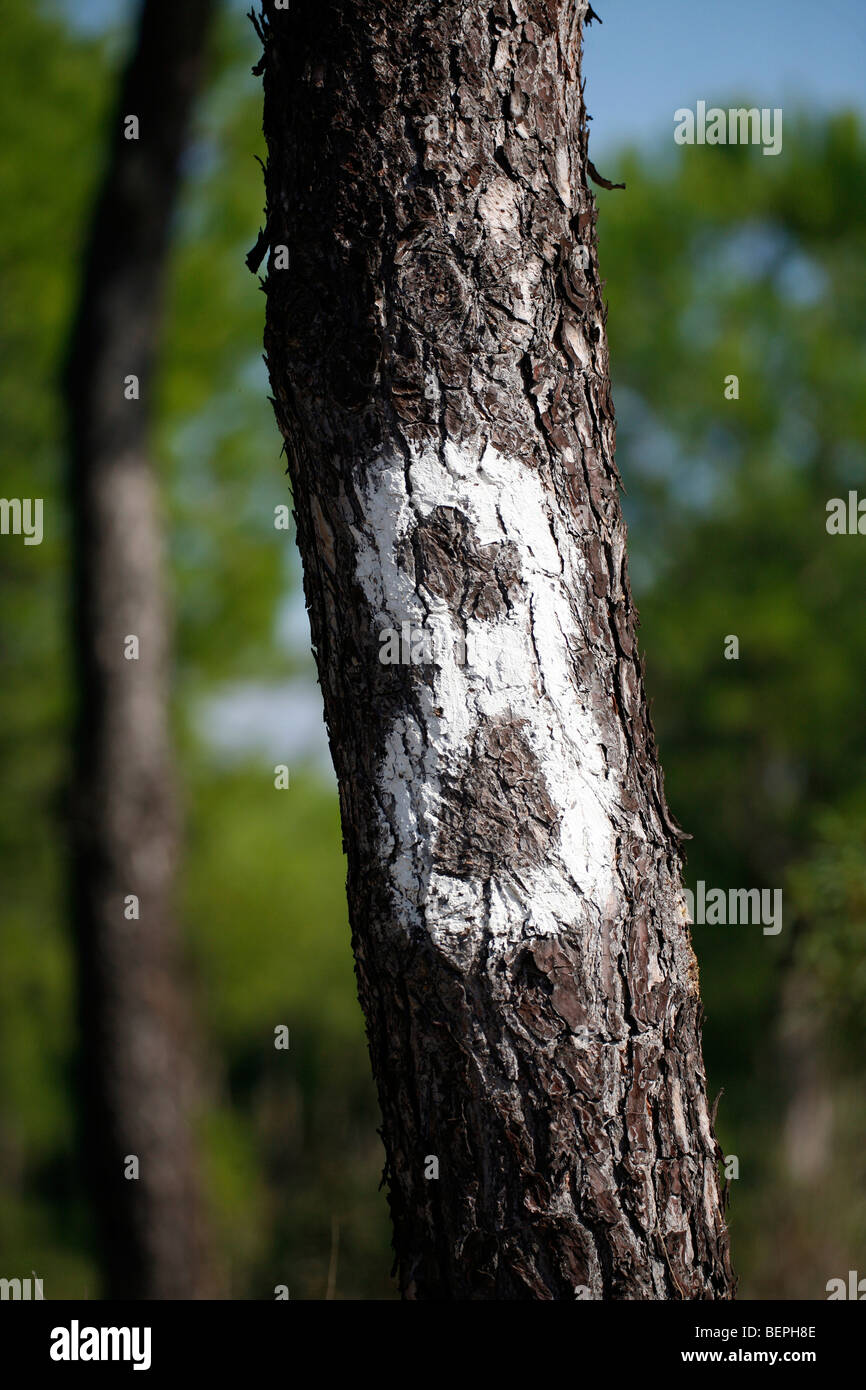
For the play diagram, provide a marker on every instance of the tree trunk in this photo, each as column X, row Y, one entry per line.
column 439, row 366
column 139, row 1090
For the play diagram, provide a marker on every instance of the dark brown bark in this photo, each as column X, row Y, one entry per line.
column 439, row 368
column 139, row 1090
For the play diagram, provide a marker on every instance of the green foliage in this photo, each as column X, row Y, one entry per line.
column 829, row 890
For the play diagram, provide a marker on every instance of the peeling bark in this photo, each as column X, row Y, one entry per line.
column 139, row 1087
column 439, row 370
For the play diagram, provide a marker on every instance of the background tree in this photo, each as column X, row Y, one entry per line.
column 439, row 366
column 139, row 1090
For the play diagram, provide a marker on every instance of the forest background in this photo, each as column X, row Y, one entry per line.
column 718, row 261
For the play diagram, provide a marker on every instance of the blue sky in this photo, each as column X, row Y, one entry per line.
column 645, row 60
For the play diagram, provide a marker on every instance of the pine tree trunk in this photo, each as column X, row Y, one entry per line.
column 138, row 1082
column 439, row 367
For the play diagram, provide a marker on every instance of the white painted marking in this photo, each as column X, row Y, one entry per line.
column 503, row 676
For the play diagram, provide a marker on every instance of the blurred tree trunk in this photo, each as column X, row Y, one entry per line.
column 807, row 1133
column 139, row 1091
column 439, row 366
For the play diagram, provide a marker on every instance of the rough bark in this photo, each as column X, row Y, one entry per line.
column 439, row 370
column 138, row 1085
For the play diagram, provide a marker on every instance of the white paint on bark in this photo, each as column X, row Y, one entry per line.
column 517, row 667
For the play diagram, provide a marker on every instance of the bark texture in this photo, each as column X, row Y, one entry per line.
column 439, row 369
column 139, row 1089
